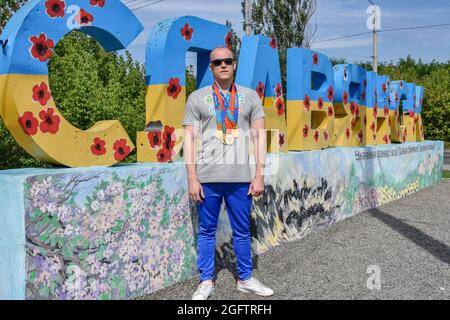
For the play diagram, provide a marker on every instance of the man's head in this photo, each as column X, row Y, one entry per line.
column 222, row 63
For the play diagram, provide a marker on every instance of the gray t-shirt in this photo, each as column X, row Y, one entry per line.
column 217, row 162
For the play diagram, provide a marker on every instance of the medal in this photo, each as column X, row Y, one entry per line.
column 226, row 115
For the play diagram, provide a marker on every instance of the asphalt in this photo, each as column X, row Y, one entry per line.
column 408, row 241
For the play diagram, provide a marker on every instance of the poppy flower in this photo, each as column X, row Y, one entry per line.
column 325, row 135
column 228, row 40
column 363, row 96
column 360, row 136
column 384, row 87
column 330, row 93
column 260, row 90
column 411, row 114
column 281, row 140
column 154, row 137
column 307, row 103
column 365, row 83
column 168, row 137
column 187, row 32
column 41, row 47
column 99, row 3
column 98, row 147
column 50, row 122
column 330, row 111
column 374, row 136
column 164, row 155
column 273, row 43
column 353, row 107
column 345, row 97
column 347, row 133
column 353, row 123
column 320, row 103
column 174, row 88
column 278, row 90
column 280, row 106
column 28, row 123
column 372, row 126
column 386, row 139
column 386, row 111
column 315, row 58
column 316, row 135
column 41, row 93
column 121, row 149
column 375, row 111
column 396, row 97
column 305, row 131
column 356, row 109
column 84, row 18
column 55, row 8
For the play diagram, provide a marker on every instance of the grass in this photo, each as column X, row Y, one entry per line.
column 446, row 174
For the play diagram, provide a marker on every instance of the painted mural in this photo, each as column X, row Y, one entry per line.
column 122, row 232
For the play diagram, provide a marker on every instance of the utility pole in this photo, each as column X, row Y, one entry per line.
column 375, row 37
column 248, row 17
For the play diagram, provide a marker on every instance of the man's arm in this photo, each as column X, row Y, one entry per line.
column 258, row 137
column 195, row 189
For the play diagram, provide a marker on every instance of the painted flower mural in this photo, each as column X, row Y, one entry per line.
column 55, row 8
column 41, row 93
column 50, row 122
column 187, row 32
column 174, row 88
column 122, row 149
column 28, row 123
column 98, row 147
column 42, row 47
column 260, row 90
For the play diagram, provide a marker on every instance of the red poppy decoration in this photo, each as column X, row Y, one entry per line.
column 307, row 103
column 280, row 106
column 84, row 18
column 315, row 58
column 356, row 109
column 122, row 150
column 174, row 88
column 42, row 47
column 363, row 96
column 98, row 147
column 330, row 111
column 50, row 122
column 347, row 133
column 411, row 114
column 55, row 8
column 316, row 135
column 372, row 126
column 278, row 90
column 273, row 43
column 326, row 135
column 99, row 3
column 330, row 93
column 305, row 131
column 229, row 40
column 164, row 155
column 396, row 97
column 386, row 139
column 281, row 140
column 260, row 90
column 187, row 32
column 168, row 138
column 374, row 136
column 154, row 137
column 353, row 107
column 353, row 123
column 360, row 136
column 386, row 111
column 320, row 103
column 375, row 111
column 365, row 83
column 345, row 97
column 41, row 93
column 28, row 123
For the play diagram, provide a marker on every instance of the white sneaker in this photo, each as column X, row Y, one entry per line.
column 204, row 291
column 254, row 286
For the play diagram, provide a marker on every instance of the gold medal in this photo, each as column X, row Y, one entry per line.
column 229, row 139
column 235, row 133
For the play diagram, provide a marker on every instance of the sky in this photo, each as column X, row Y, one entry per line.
column 333, row 18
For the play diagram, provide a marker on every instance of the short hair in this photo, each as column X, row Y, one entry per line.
column 221, row 47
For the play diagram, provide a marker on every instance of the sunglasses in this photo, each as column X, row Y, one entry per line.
column 218, row 62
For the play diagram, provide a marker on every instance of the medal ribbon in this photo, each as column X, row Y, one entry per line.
column 226, row 115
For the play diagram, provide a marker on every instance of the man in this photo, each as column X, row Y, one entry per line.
column 227, row 117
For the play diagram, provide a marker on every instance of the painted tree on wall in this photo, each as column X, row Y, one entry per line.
column 287, row 22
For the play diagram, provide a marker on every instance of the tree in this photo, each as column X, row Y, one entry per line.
column 8, row 7
column 285, row 20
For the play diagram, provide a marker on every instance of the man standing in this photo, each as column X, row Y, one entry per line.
column 227, row 117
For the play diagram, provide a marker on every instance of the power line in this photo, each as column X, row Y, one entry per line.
column 343, row 37
column 412, row 28
column 146, row 5
column 136, row 2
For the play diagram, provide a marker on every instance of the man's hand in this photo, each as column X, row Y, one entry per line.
column 195, row 190
column 257, row 186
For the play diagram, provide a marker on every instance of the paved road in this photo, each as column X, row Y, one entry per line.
column 409, row 240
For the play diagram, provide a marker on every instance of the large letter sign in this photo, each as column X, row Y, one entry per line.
column 167, row 46
column 259, row 69
column 310, row 95
column 27, row 107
